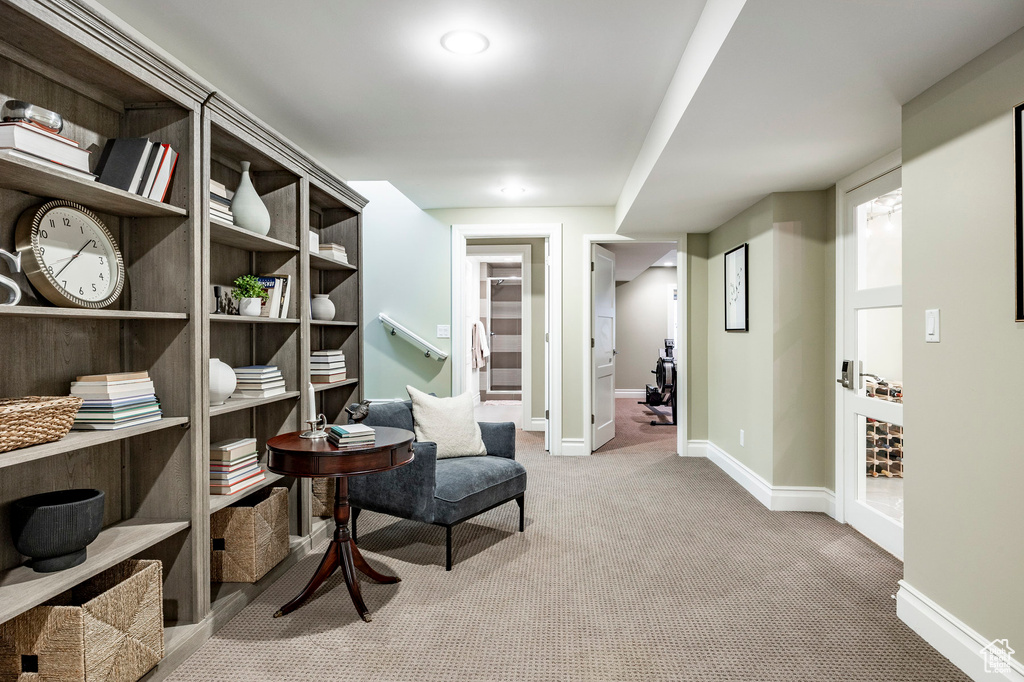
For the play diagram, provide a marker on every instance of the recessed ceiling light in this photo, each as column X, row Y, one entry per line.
column 465, row 42
column 513, row 191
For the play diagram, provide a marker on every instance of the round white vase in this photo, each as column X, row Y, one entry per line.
column 322, row 307
column 247, row 209
column 249, row 307
column 222, row 381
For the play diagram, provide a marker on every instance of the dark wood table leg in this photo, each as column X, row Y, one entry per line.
column 341, row 553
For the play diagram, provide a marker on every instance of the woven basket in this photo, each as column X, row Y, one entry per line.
column 35, row 419
column 323, row 497
column 108, row 629
column 250, row 538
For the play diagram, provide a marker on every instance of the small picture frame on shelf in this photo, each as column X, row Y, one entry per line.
column 737, row 317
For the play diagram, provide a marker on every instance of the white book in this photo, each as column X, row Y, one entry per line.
column 38, row 143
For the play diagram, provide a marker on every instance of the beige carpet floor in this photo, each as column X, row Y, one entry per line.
column 639, row 566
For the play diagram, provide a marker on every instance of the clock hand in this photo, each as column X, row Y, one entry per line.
column 73, row 258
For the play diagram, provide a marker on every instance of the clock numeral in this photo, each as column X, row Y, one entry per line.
column 42, row 233
column 52, row 224
column 41, row 251
column 82, row 228
column 50, row 269
column 80, row 290
column 67, row 222
column 101, row 261
column 64, row 283
column 95, row 245
column 101, row 275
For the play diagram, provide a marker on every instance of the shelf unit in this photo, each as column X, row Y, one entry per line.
column 107, row 81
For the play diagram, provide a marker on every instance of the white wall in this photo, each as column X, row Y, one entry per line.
column 641, row 326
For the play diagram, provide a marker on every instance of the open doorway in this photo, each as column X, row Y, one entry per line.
column 635, row 323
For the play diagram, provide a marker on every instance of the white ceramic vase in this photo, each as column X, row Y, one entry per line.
column 222, row 381
column 322, row 307
column 249, row 307
column 247, row 208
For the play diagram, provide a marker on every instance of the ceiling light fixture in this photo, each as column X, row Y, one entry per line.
column 465, row 42
column 513, row 191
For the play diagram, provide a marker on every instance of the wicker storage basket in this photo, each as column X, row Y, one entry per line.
column 108, row 629
column 323, row 497
column 35, row 419
column 249, row 538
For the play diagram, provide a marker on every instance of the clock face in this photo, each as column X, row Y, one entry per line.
column 77, row 262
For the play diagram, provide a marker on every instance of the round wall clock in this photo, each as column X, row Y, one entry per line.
column 69, row 255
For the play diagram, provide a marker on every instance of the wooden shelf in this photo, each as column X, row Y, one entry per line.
column 76, row 440
column 41, row 179
column 218, row 502
column 318, row 262
column 86, row 313
column 323, row 387
column 242, row 319
column 21, row 588
column 229, row 235
column 236, row 404
column 333, row 323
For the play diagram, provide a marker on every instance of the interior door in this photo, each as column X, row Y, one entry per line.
column 547, row 345
column 872, row 386
column 602, row 343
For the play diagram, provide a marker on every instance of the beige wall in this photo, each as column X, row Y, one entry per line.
column 964, row 523
column 537, row 286
column 697, row 324
column 740, row 364
column 641, row 325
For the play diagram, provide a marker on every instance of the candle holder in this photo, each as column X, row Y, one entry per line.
column 316, row 428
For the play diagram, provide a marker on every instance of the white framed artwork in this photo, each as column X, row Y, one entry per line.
column 737, row 318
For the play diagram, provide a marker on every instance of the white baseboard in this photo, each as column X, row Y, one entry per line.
column 950, row 636
column 476, row 398
column 630, row 393
column 696, row 448
column 573, row 447
column 537, row 424
column 776, row 498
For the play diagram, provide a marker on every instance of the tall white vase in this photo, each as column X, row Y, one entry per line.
column 248, row 209
column 222, row 381
column 322, row 307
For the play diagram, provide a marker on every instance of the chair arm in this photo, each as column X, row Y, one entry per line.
column 499, row 438
column 406, row 492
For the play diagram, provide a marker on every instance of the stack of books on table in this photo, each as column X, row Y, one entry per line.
column 138, row 165
column 327, row 366
column 234, row 466
column 350, row 435
column 220, row 202
column 26, row 140
column 115, row 401
column 258, row 381
column 334, row 252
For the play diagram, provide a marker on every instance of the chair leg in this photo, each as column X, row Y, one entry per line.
column 448, row 548
column 521, row 501
column 355, row 518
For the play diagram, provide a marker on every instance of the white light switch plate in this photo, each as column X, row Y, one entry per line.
column 931, row 326
column 444, row 331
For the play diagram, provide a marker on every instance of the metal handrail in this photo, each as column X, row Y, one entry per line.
column 428, row 348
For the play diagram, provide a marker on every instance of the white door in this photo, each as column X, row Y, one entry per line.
column 547, row 345
column 872, row 386
column 602, row 286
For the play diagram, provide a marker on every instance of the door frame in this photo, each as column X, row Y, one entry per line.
column 682, row 368
column 844, row 241
column 552, row 234
column 525, row 253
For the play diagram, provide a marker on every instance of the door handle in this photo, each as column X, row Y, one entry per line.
column 614, row 352
column 847, row 377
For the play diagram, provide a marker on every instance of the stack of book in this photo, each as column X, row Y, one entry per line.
column 258, row 381
column 138, row 165
column 220, row 202
column 234, row 466
column 334, row 252
column 115, row 401
column 26, row 140
column 350, row 435
column 327, row 366
column 279, row 287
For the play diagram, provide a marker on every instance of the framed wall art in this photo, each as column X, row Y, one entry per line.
column 1018, row 153
column 737, row 318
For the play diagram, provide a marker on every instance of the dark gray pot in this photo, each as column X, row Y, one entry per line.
column 53, row 529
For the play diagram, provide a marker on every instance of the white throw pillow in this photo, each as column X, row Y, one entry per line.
column 449, row 422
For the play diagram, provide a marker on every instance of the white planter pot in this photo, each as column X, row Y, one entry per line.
column 322, row 307
column 222, row 381
column 247, row 208
column 249, row 307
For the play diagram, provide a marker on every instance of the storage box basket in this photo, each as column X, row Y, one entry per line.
column 323, row 497
column 109, row 628
column 35, row 419
column 249, row 538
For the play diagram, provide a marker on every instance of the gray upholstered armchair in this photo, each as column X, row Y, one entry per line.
column 443, row 492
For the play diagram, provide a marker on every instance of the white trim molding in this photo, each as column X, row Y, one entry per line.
column 630, row 393
column 950, row 636
column 776, row 498
column 573, row 447
column 537, row 424
column 696, row 448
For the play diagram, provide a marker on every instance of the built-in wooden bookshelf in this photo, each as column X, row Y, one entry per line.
column 108, row 82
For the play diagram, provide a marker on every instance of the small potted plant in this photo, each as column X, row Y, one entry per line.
column 250, row 295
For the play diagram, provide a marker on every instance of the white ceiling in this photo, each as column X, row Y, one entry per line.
column 632, row 258
column 770, row 95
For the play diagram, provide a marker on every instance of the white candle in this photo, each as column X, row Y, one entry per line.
column 312, row 401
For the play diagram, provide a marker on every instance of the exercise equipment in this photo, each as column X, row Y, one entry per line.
column 664, row 393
